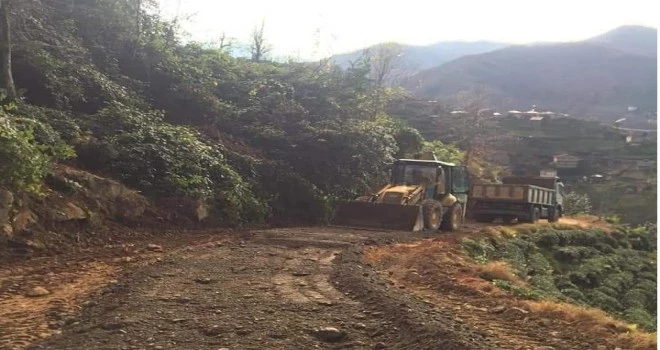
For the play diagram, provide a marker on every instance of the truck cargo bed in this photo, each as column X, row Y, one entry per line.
column 513, row 193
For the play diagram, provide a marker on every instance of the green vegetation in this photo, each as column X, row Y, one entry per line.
column 112, row 82
column 615, row 272
column 27, row 150
column 255, row 140
column 576, row 203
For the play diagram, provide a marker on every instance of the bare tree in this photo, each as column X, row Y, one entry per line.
column 225, row 43
column 385, row 60
column 6, row 77
column 259, row 48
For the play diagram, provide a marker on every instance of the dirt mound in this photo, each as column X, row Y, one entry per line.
column 438, row 271
column 421, row 325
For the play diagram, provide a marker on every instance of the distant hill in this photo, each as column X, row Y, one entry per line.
column 599, row 77
column 632, row 39
column 418, row 58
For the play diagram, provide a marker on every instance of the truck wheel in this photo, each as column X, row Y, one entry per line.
column 453, row 218
column 432, row 214
column 556, row 214
column 536, row 215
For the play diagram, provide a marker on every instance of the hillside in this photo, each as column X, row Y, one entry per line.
column 583, row 79
column 157, row 194
column 515, row 282
column 419, row 58
column 632, row 39
column 244, row 141
column 523, row 147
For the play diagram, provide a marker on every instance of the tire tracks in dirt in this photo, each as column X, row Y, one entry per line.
column 271, row 289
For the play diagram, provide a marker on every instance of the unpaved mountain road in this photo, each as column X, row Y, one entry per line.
column 300, row 288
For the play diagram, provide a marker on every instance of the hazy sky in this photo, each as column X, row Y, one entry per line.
column 312, row 29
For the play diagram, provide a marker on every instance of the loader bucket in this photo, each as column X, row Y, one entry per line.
column 379, row 216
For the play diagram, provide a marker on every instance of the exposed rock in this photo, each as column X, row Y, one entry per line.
column 6, row 202
column 36, row 292
column 329, row 334
column 516, row 311
column 119, row 200
column 380, row 346
column 243, row 331
column 498, row 309
column 69, row 212
column 154, row 247
column 204, row 280
column 6, row 232
column 23, row 220
column 35, row 244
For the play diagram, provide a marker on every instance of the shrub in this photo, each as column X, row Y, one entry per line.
column 576, row 203
column 640, row 317
column 574, row 294
column 589, row 267
column 634, row 298
column 24, row 161
column 522, row 292
column 603, row 301
column 479, row 250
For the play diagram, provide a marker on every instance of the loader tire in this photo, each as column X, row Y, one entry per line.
column 432, row 214
column 453, row 218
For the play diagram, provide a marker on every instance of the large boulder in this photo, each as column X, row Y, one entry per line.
column 116, row 199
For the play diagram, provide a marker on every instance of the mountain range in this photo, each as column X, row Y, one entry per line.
column 599, row 77
column 418, row 58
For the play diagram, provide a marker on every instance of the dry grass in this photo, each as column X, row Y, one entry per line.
column 500, row 233
column 637, row 340
column 597, row 322
column 586, row 222
column 498, row 270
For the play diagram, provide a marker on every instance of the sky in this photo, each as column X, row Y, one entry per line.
column 314, row 29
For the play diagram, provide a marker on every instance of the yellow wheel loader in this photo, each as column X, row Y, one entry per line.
column 422, row 195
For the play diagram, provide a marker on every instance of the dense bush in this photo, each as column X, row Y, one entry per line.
column 153, row 112
column 27, row 150
column 576, row 203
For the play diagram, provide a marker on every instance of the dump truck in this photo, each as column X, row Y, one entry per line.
column 526, row 199
column 423, row 194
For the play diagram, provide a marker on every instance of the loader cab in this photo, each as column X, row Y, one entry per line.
column 438, row 178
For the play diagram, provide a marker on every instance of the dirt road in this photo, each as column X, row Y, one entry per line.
column 304, row 288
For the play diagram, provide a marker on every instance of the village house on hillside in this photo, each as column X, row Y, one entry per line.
column 533, row 114
column 565, row 161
